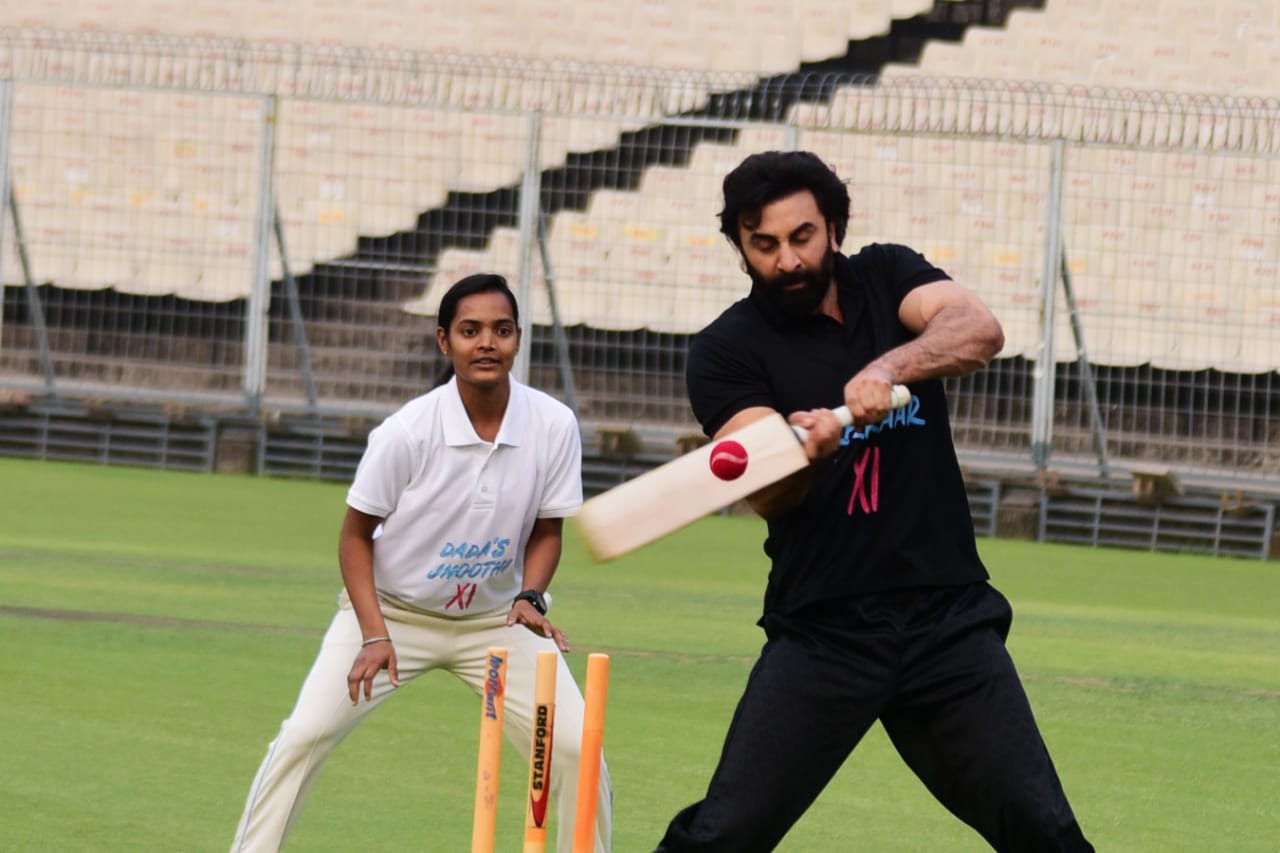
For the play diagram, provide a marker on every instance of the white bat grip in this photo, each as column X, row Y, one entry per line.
column 898, row 397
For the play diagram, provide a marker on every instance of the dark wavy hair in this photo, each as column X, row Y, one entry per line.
column 770, row 175
column 462, row 288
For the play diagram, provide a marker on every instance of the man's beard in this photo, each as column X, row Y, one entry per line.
column 795, row 303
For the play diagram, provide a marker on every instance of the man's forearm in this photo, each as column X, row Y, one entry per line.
column 958, row 340
column 777, row 499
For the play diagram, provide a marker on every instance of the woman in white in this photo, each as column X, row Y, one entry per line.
column 451, row 537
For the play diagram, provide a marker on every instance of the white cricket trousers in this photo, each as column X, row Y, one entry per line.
column 324, row 715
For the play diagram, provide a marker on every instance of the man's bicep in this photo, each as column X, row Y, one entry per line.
column 923, row 303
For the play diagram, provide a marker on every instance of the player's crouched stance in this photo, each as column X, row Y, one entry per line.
column 451, row 537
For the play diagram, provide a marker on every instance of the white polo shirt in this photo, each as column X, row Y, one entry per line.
column 458, row 510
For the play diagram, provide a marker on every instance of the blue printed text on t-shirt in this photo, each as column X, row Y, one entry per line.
column 907, row 416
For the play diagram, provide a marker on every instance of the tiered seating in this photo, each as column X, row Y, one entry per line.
column 753, row 36
column 152, row 193
column 974, row 207
column 1172, row 255
column 178, row 209
column 1229, row 47
column 349, row 169
column 1159, row 243
column 651, row 258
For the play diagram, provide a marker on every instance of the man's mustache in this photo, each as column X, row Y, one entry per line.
column 797, row 277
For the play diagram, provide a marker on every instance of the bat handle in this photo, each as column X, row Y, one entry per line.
column 898, row 397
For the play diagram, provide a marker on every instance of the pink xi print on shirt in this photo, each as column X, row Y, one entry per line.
column 864, row 497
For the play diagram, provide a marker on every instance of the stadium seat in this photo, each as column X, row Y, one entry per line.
column 947, row 59
column 577, row 249
column 868, row 18
column 1260, row 328
column 909, row 8
column 638, row 249
column 822, row 24
column 500, row 255
column 496, row 146
column 706, row 258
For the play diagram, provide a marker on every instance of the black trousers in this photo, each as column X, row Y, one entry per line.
column 932, row 666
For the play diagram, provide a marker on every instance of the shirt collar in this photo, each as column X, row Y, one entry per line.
column 458, row 431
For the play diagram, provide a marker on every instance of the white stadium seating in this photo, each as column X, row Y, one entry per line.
column 156, row 192
column 177, row 211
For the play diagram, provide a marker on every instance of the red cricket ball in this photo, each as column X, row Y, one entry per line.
column 728, row 460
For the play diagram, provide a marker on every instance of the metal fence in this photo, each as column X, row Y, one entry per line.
column 265, row 230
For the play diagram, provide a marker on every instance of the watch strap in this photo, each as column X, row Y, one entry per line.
column 535, row 598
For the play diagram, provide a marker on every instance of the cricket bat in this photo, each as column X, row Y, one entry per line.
column 698, row 483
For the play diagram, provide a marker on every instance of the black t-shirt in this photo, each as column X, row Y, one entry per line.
column 888, row 511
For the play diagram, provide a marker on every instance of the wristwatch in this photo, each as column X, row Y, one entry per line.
column 533, row 597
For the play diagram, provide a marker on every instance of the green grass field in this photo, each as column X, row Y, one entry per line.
column 156, row 627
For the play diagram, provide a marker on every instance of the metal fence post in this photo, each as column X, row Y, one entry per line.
column 294, row 305
column 1042, row 396
column 259, row 302
column 530, row 211
column 6, row 112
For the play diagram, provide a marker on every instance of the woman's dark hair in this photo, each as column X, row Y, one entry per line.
column 460, row 290
column 484, row 282
column 770, row 175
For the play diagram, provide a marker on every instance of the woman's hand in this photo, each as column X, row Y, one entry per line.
column 524, row 613
column 373, row 658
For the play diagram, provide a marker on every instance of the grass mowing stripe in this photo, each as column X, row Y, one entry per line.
column 34, row 554
column 1097, row 682
column 140, row 620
